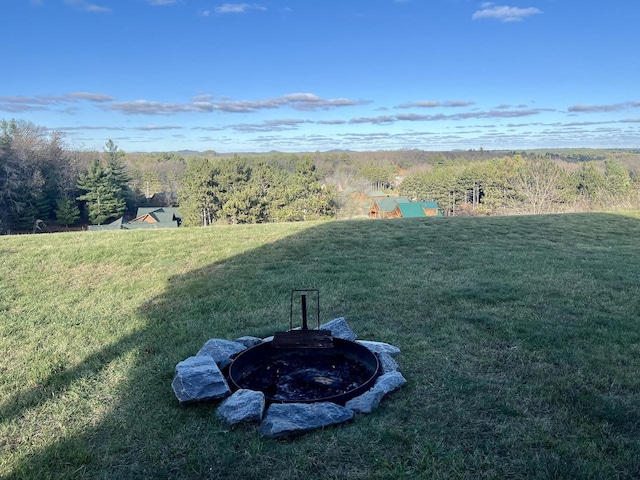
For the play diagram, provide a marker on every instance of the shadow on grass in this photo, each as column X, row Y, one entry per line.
column 489, row 372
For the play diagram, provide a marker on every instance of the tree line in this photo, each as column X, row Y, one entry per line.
column 513, row 185
column 42, row 182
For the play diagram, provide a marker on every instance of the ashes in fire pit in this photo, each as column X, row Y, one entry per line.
column 306, row 365
column 305, row 375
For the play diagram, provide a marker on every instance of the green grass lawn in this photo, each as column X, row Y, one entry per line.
column 520, row 341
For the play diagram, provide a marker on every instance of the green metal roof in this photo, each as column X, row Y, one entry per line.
column 147, row 226
column 169, row 212
column 411, row 210
column 386, row 205
column 430, row 204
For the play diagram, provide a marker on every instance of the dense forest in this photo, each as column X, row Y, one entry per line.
column 47, row 186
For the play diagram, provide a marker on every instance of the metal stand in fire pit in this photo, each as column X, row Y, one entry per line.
column 304, row 337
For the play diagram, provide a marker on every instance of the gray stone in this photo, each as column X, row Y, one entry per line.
column 389, row 382
column 387, row 363
column 380, row 347
column 221, row 350
column 249, row 341
column 199, row 378
column 286, row 419
column 369, row 401
column 339, row 329
column 243, row 406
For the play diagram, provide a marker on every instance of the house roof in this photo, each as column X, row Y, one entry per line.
column 156, row 211
column 386, row 205
column 145, row 225
column 411, row 210
column 430, row 204
column 389, row 204
column 115, row 225
column 376, row 194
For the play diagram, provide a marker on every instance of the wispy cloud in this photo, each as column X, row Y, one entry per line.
column 160, row 2
column 269, row 126
column 414, row 117
column 152, row 128
column 87, row 6
column 380, row 120
column 238, row 7
column 91, row 97
column 19, row 103
column 603, row 108
column 504, row 13
column 297, row 101
column 145, row 107
column 90, row 127
column 433, row 104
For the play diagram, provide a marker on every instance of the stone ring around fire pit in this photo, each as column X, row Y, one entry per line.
column 299, row 393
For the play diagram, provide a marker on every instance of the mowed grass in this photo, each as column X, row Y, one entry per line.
column 520, row 341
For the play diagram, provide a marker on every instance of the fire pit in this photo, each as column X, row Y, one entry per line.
column 304, row 365
column 305, row 375
column 294, row 382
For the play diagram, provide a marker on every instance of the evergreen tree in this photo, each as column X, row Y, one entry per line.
column 67, row 212
column 103, row 199
column 114, row 166
column 198, row 198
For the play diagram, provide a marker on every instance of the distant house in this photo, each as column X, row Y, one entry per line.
column 146, row 217
column 387, row 207
column 157, row 217
column 402, row 207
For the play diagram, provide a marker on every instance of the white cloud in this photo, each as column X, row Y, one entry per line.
column 239, row 7
column 92, row 97
column 151, row 128
column 20, row 103
column 603, row 108
column 87, row 6
column 145, row 107
column 297, row 101
column 432, row 104
column 504, row 13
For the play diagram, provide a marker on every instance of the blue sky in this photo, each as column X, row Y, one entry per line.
column 306, row 75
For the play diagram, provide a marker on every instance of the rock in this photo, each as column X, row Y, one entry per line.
column 369, row 401
column 339, row 329
column 387, row 363
column 221, row 350
column 243, row 406
column 199, row 378
column 379, row 347
column 389, row 382
column 286, row 419
column 249, row 341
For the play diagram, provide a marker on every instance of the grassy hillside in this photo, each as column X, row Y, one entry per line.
column 520, row 340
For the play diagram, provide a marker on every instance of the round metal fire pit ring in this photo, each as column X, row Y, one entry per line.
column 306, row 375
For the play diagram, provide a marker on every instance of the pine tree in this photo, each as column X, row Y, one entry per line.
column 103, row 199
column 67, row 212
column 115, row 168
